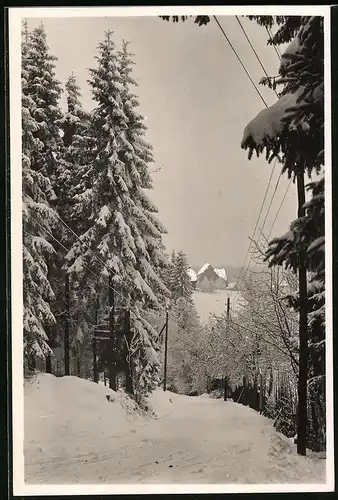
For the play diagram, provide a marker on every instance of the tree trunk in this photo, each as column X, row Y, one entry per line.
column 113, row 346
column 261, row 393
column 78, row 366
column 225, row 387
column 303, row 335
column 31, row 362
column 49, row 364
column 67, row 321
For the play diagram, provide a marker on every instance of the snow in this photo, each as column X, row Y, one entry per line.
column 203, row 268
column 293, row 47
column 232, row 285
column 268, row 124
column 215, row 302
column 192, row 274
column 104, row 216
column 73, row 434
column 221, row 273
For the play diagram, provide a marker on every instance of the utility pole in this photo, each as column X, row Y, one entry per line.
column 94, row 341
column 67, row 321
column 129, row 366
column 49, row 333
column 303, row 334
column 225, row 377
column 112, row 348
column 165, row 350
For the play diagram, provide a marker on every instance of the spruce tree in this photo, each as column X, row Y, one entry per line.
column 122, row 228
column 136, row 155
column 40, row 94
column 74, row 125
column 45, row 90
column 181, row 284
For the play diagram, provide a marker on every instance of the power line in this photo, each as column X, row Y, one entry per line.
column 67, row 250
column 274, row 46
column 83, row 243
column 240, row 60
column 259, row 215
column 273, row 195
column 100, row 278
column 279, row 209
column 262, row 98
column 267, row 212
column 254, row 51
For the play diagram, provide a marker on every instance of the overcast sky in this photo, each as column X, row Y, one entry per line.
column 197, row 100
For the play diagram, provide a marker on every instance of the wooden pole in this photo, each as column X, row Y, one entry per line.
column 226, row 377
column 113, row 353
column 67, row 326
column 165, row 350
column 95, row 371
column 49, row 332
column 303, row 334
column 261, row 393
column 129, row 366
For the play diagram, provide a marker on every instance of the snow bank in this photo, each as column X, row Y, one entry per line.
column 68, row 417
column 73, row 434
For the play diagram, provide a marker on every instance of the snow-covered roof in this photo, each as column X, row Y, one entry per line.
column 221, row 273
column 232, row 285
column 203, row 268
column 192, row 275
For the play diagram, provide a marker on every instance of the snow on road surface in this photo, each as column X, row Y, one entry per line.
column 73, row 434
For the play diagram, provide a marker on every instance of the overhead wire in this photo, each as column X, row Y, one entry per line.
column 259, row 215
column 279, row 209
column 263, row 100
column 265, row 103
column 254, row 51
column 67, row 250
column 274, row 46
column 267, row 213
column 240, row 61
column 99, row 277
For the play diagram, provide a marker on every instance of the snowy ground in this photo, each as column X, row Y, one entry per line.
column 73, row 434
column 215, row 302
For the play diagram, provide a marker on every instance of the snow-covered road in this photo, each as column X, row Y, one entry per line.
column 74, row 435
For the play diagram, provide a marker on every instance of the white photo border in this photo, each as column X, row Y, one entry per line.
column 16, row 15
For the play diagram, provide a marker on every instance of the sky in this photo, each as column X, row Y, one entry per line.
column 197, row 100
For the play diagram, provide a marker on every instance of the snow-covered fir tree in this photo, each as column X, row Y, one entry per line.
column 136, row 155
column 180, row 281
column 45, row 90
column 74, row 125
column 40, row 140
column 122, row 227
